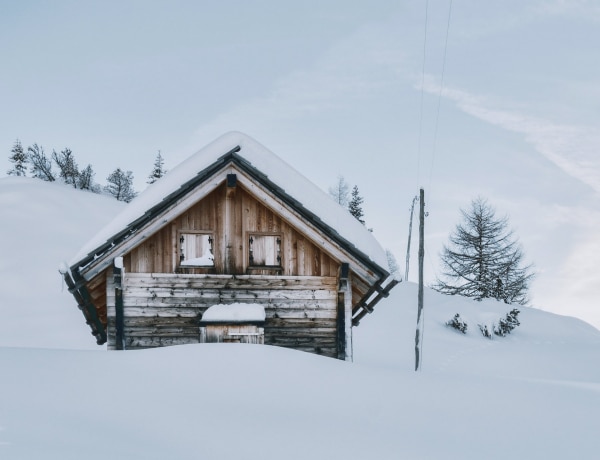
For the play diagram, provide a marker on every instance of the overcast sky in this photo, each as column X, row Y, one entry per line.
column 338, row 88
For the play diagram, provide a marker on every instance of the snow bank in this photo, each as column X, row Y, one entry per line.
column 42, row 223
column 532, row 394
column 206, row 260
column 232, row 401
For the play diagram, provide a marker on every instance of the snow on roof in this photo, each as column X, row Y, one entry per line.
column 295, row 184
column 235, row 312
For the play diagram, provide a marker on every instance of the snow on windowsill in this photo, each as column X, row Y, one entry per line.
column 204, row 261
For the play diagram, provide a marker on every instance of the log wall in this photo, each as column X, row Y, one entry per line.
column 165, row 309
column 232, row 333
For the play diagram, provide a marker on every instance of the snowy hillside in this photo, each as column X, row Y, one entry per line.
column 43, row 224
column 533, row 394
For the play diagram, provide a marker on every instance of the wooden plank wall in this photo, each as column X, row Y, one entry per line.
column 232, row 333
column 165, row 309
column 231, row 216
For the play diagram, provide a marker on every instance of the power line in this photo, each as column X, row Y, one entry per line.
column 437, row 116
column 422, row 93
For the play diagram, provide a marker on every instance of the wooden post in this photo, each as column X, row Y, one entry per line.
column 341, row 311
column 418, row 334
column 229, row 224
column 119, row 311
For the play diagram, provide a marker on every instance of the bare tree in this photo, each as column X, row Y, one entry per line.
column 484, row 259
column 340, row 191
column 85, row 180
column 67, row 167
column 41, row 166
column 120, row 185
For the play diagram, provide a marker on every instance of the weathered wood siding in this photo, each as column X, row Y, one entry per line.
column 165, row 309
column 231, row 215
column 232, row 333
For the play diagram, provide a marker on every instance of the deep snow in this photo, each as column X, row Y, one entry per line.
column 532, row 394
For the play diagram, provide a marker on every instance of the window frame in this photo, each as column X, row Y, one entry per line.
column 179, row 257
column 251, row 237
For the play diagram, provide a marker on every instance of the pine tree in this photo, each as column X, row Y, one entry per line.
column 158, row 170
column 483, row 259
column 339, row 191
column 20, row 160
column 41, row 166
column 120, row 185
column 354, row 206
column 67, row 167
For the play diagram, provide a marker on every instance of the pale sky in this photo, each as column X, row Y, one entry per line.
column 335, row 87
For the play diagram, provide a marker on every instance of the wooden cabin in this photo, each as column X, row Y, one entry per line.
column 233, row 224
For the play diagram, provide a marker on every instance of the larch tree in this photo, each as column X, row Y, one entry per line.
column 41, row 166
column 120, row 185
column 483, row 259
column 19, row 160
column 158, row 170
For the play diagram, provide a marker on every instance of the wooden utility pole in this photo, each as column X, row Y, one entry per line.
column 419, row 333
column 412, row 210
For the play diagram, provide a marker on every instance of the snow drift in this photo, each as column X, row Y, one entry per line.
column 532, row 394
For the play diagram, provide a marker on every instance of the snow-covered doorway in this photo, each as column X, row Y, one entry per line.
column 233, row 323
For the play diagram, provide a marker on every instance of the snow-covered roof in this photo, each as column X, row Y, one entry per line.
column 234, row 313
column 291, row 181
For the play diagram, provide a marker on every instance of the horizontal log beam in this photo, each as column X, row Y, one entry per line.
column 173, row 280
column 175, row 311
column 244, row 294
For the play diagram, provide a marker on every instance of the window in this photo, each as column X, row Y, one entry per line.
column 264, row 251
column 196, row 250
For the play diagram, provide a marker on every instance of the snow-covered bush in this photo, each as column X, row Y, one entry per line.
column 503, row 327
column 507, row 324
column 457, row 323
column 485, row 330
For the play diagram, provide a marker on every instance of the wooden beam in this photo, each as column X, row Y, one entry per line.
column 341, row 311
column 119, row 311
column 368, row 307
column 85, row 304
column 229, row 224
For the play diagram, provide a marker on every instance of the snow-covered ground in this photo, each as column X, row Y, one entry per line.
column 534, row 394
